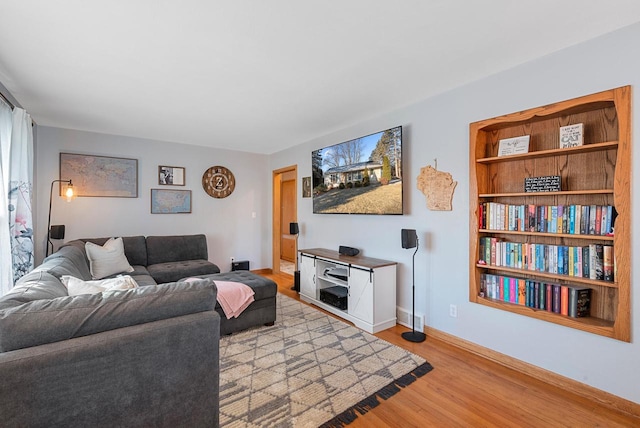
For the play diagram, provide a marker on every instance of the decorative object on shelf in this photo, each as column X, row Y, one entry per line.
column 218, row 182
column 513, row 146
column 437, row 187
column 410, row 240
column 101, row 176
column 170, row 175
column 571, row 135
column 306, row 187
column 547, row 183
column 294, row 229
column 57, row 231
column 165, row 201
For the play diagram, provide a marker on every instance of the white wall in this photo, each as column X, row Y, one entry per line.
column 438, row 128
column 228, row 223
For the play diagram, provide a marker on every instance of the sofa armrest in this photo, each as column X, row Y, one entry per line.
column 52, row 320
column 162, row 374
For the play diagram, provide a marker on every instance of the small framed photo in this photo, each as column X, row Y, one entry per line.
column 306, row 187
column 514, row 146
column 170, row 175
column 170, row 201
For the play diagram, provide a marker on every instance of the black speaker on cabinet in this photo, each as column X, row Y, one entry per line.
column 409, row 238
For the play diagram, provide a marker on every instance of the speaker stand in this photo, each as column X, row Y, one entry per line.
column 296, row 281
column 413, row 335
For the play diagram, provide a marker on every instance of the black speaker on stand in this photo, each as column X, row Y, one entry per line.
column 295, row 230
column 410, row 240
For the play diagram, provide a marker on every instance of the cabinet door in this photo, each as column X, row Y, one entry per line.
column 307, row 276
column 360, row 302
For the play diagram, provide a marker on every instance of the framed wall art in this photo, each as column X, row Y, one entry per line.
column 170, row 175
column 306, row 187
column 166, row 201
column 101, row 176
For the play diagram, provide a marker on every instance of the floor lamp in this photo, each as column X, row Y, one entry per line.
column 410, row 240
column 57, row 232
column 294, row 229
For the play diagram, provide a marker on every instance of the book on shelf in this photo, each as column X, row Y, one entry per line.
column 565, row 300
column 571, row 135
column 595, row 261
column 557, row 219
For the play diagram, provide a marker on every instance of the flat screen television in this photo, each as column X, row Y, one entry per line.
column 360, row 176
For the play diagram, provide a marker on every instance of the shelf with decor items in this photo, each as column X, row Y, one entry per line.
column 542, row 243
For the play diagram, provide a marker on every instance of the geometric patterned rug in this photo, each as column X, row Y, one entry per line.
column 307, row 370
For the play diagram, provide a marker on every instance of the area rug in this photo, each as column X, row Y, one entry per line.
column 308, row 370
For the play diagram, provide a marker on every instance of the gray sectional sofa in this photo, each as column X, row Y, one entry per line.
column 146, row 356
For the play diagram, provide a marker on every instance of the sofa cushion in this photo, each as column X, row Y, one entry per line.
column 36, row 285
column 66, row 261
column 45, row 321
column 163, row 249
column 108, row 259
column 135, row 247
column 173, row 271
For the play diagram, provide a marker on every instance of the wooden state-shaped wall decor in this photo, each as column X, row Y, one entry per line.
column 437, row 187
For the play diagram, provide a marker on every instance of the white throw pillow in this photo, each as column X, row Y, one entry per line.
column 77, row 286
column 108, row 259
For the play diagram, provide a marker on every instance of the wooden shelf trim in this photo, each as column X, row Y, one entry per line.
column 560, row 193
column 551, row 235
column 554, row 152
column 547, row 275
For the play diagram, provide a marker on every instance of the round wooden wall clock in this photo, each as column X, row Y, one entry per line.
column 218, row 182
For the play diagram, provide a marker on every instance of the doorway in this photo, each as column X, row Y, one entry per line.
column 285, row 211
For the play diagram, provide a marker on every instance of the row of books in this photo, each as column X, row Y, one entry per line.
column 567, row 219
column 595, row 261
column 561, row 299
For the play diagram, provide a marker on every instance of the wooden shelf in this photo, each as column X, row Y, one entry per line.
column 598, row 173
column 550, row 235
column 589, row 324
column 552, row 152
column 564, row 279
column 560, row 193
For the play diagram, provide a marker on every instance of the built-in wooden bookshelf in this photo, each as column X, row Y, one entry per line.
column 595, row 173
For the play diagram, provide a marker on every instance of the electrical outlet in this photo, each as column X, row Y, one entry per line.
column 453, row 311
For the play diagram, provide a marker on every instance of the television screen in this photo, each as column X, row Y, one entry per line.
column 361, row 176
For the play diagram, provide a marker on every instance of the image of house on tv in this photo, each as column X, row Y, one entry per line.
column 352, row 173
column 360, row 176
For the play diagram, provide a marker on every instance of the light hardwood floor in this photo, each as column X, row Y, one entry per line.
column 465, row 390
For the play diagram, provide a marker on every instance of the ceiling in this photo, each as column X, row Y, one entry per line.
column 262, row 76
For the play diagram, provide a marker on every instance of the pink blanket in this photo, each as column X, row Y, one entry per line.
column 234, row 297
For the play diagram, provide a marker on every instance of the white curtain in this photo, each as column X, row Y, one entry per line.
column 16, row 176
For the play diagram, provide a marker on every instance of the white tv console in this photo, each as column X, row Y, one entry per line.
column 370, row 286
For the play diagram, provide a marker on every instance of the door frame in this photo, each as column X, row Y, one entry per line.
column 277, row 213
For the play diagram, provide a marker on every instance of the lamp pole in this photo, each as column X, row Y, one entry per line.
column 69, row 185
